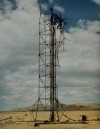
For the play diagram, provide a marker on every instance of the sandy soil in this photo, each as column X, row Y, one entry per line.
column 23, row 120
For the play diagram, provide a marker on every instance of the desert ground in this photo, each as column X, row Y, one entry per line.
column 24, row 120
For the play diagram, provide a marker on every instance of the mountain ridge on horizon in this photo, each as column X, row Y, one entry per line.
column 67, row 107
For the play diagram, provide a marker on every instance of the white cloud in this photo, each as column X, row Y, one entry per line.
column 21, row 87
column 51, row 1
column 8, row 7
column 44, row 7
column 59, row 8
column 96, row 1
column 19, row 30
column 88, row 25
column 80, row 63
column 18, row 53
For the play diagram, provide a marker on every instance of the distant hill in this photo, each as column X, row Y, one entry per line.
column 82, row 107
column 72, row 107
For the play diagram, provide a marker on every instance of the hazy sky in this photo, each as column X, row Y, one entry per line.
column 80, row 65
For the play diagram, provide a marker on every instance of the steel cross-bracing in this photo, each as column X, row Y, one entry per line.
column 51, row 39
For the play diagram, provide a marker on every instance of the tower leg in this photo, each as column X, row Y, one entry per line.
column 52, row 73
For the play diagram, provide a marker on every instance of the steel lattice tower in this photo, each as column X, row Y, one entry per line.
column 51, row 38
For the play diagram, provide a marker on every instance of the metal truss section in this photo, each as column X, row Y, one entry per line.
column 51, row 39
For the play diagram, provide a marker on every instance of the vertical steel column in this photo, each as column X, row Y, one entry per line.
column 52, row 72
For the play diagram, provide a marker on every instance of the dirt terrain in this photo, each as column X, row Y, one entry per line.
column 23, row 120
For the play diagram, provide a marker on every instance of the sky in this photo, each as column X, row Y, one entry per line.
column 79, row 80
